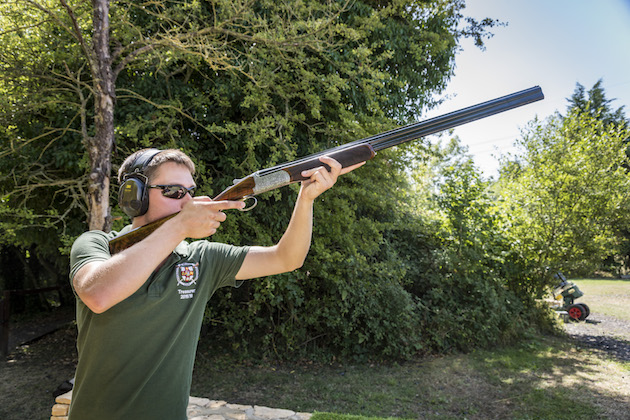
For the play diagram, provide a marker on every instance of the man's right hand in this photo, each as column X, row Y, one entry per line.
column 201, row 216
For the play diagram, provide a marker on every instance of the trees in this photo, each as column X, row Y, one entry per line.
column 342, row 298
column 198, row 75
column 69, row 67
column 71, row 56
column 566, row 194
column 595, row 104
column 78, row 64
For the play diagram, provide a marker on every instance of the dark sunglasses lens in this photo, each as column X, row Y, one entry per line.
column 176, row 191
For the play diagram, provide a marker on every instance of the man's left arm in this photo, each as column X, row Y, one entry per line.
column 290, row 252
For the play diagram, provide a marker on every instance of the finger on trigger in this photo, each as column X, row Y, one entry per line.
column 229, row 204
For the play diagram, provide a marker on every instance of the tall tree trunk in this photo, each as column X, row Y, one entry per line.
column 100, row 146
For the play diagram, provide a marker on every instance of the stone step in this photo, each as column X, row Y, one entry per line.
column 204, row 409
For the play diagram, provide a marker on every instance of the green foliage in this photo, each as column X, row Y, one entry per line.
column 40, row 149
column 465, row 287
column 566, row 195
column 391, row 286
column 350, row 297
column 41, row 185
column 595, row 104
column 347, row 300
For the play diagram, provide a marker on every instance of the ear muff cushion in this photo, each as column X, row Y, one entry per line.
column 133, row 196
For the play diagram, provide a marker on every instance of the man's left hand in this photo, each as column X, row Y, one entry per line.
column 320, row 179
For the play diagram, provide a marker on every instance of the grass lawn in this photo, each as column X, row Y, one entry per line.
column 544, row 378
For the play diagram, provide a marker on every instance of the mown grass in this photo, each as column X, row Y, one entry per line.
column 543, row 378
column 546, row 378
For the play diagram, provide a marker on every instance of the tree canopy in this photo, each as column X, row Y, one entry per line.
column 293, row 75
column 566, row 191
column 594, row 103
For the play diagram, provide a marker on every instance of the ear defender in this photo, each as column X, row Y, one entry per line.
column 133, row 196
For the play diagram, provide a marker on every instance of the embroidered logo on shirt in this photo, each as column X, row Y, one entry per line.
column 187, row 275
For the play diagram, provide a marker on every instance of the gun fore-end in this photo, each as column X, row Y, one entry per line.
column 346, row 157
column 124, row 241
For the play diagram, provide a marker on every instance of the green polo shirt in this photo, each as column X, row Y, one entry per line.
column 136, row 359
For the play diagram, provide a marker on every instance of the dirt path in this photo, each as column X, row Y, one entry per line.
column 24, row 331
column 604, row 333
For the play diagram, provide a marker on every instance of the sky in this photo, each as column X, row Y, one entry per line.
column 553, row 44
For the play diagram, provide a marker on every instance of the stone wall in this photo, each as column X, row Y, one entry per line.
column 62, row 404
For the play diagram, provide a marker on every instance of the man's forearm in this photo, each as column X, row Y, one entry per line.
column 101, row 285
column 289, row 253
column 296, row 241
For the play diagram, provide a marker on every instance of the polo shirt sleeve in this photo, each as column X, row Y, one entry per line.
column 89, row 247
column 225, row 261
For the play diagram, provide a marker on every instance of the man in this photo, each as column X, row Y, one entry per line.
column 139, row 312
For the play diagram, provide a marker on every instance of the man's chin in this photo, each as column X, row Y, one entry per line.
column 147, row 219
column 155, row 218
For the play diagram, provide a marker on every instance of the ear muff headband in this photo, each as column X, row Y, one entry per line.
column 133, row 196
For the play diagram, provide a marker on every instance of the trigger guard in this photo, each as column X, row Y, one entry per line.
column 252, row 206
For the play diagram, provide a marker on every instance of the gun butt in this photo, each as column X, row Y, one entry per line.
column 134, row 236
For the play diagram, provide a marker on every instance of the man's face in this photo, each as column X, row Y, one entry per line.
column 169, row 173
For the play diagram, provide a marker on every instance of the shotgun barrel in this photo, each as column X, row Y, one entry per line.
column 434, row 125
column 347, row 154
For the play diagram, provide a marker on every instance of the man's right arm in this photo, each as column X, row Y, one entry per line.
column 103, row 284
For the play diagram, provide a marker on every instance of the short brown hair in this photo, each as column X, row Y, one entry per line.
column 168, row 155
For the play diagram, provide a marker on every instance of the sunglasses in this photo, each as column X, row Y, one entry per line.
column 175, row 191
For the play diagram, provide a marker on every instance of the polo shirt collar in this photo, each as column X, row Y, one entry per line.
column 182, row 250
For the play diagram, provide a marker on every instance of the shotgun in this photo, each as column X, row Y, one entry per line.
column 347, row 155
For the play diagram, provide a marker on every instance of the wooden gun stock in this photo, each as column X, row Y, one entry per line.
column 348, row 155
column 134, row 236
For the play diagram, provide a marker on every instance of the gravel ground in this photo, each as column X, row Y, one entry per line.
column 602, row 332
